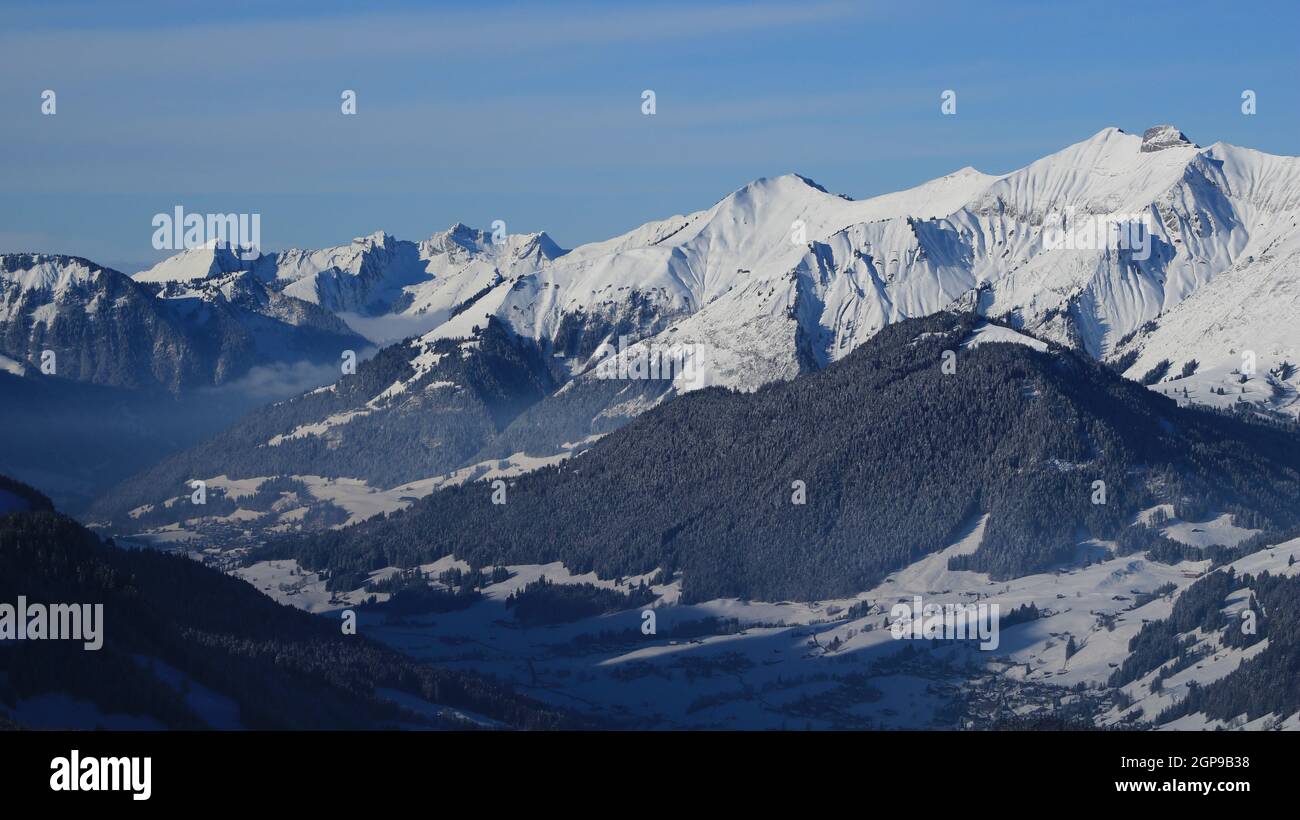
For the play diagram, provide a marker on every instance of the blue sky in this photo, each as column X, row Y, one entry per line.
column 531, row 112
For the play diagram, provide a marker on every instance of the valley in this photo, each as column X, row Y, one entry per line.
column 828, row 664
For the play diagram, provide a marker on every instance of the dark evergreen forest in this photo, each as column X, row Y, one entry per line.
column 284, row 668
column 896, row 457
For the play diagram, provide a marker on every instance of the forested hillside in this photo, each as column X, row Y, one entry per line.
column 438, row 416
column 1268, row 683
column 185, row 646
column 895, row 455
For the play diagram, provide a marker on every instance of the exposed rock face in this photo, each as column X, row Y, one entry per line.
column 105, row 328
column 1160, row 137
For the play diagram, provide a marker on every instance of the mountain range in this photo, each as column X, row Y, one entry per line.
column 768, row 534
column 106, row 328
column 780, row 278
column 821, row 486
column 1072, row 386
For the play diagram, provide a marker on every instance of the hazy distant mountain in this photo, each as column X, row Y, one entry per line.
column 386, row 287
column 103, row 327
column 396, row 420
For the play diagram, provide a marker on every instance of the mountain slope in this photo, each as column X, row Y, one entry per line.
column 105, row 328
column 1263, row 686
column 782, row 277
column 896, row 457
column 195, row 264
column 387, row 288
column 187, row 647
column 101, row 326
column 641, row 283
column 398, row 419
column 1207, row 210
column 561, row 305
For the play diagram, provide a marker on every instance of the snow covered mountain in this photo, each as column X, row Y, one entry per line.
column 193, row 264
column 975, row 485
column 715, row 274
column 1136, row 249
column 74, row 307
column 1168, row 261
column 764, row 306
column 386, row 288
column 103, row 327
column 703, row 484
column 1110, row 246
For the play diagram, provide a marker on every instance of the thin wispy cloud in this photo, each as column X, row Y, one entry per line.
column 187, row 48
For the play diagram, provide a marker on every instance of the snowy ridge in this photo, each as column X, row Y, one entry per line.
column 782, row 276
column 737, row 280
column 383, row 286
column 107, row 328
column 195, row 263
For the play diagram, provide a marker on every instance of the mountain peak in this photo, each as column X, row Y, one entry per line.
column 191, row 264
column 1160, row 137
column 781, row 186
column 809, row 182
column 378, row 238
